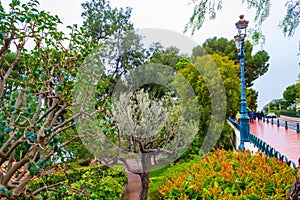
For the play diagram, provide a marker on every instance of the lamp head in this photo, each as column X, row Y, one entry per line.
column 242, row 25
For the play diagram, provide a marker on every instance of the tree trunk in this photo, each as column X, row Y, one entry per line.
column 145, row 174
column 144, row 185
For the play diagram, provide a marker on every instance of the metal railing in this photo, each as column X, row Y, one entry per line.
column 265, row 148
column 286, row 124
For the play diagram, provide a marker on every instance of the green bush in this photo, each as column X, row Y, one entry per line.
column 226, row 175
column 290, row 113
column 92, row 182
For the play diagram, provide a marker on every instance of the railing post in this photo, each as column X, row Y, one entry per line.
column 298, row 129
column 286, row 125
column 278, row 124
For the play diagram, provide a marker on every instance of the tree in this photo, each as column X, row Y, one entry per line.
column 252, row 98
column 37, row 118
column 146, row 129
column 140, row 123
column 169, row 56
column 255, row 65
column 210, row 7
column 277, row 104
column 121, row 45
column 290, row 94
column 123, row 51
column 298, row 86
column 200, row 75
column 101, row 21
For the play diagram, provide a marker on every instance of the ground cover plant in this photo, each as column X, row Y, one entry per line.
column 81, row 182
column 226, row 175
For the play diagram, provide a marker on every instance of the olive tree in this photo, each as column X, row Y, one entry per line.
column 150, row 129
column 136, row 128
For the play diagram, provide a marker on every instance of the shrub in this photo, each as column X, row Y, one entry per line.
column 227, row 175
column 92, row 182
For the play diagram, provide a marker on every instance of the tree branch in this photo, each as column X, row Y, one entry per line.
column 13, row 170
column 47, row 187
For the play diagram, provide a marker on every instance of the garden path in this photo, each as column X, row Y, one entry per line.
column 286, row 141
column 133, row 187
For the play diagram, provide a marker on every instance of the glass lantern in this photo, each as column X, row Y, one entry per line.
column 242, row 25
column 237, row 39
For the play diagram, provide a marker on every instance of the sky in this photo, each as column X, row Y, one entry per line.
column 174, row 14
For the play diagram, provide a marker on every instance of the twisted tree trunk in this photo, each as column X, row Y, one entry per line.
column 145, row 175
column 144, row 185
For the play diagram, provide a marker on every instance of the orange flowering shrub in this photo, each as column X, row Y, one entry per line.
column 229, row 175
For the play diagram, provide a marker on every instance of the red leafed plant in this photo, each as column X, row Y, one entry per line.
column 228, row 175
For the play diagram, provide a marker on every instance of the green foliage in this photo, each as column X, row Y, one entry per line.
column 290, row 94
column 279, row 104
column 102, row 21
column 93, row 182
column 251, row 96
column 229, row 75
column 159, row 177
column 201, row 9
column 291, row 20
column 37, row 77
column 226, row 175
column 256, row 65
column 169, row 56
column 290, row 113
column 263, row 8
column 298, row 85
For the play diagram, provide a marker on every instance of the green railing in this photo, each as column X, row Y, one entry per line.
column 264, row 147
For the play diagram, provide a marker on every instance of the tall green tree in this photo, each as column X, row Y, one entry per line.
column 121, row 48
column 101, row 21
column 256, row 64
column 229, row 74
column 115, row 32
column 290, row 94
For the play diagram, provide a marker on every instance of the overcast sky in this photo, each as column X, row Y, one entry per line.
column 174, row 14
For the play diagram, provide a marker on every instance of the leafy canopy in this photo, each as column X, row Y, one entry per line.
column 255, row 66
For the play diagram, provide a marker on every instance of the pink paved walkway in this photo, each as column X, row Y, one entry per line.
column 287, row 142
column 133, row 187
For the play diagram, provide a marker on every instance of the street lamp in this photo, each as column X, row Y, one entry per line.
column 241, row 25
